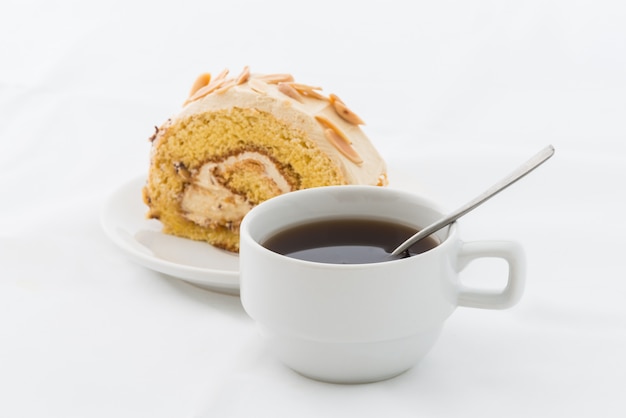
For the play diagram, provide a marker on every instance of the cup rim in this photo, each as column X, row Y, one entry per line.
column 245, row 235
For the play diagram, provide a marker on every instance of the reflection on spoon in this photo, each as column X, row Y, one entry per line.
column 520, row 172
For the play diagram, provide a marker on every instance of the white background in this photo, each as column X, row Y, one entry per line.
column 455, row 94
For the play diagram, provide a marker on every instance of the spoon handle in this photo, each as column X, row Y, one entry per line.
column 517, row 174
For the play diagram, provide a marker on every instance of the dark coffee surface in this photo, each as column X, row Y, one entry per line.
column 346, row 241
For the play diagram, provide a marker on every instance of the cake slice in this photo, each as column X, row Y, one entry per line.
column 241, row 140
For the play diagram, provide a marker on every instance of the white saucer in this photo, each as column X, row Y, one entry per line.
column 124, row 221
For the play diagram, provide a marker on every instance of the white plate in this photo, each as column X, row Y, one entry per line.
column 124, row 222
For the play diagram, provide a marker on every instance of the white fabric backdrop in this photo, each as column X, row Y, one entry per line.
column 454, row 93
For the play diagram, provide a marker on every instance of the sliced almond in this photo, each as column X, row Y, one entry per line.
column 313, row 94
column 201, row 81
column 222, row 75
column 275, row 78
column 343, row 147
column 343, row 110
column 327, row 124
column 309, row 91
column 215, row 84
column 244, row 76
column 210, row 88
column 258, row 85
column 332, row 97
column 226, row 85
column 287, row 90
column 300, row 86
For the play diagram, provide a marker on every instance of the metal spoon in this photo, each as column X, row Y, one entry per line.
column 520, row 172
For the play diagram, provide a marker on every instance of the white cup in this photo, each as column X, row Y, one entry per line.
column 361, row 323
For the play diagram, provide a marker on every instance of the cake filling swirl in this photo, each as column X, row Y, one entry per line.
column 220, row 193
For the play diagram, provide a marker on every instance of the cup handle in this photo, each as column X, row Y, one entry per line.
column 513, row 254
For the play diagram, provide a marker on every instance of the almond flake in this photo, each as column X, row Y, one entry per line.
column 215, row 84
column 300, row 86
column 276, row 78
column 287, row 90
column 258, row 85
column 226, row 85
column 201, row 81
column 222, row 75
column 309, row 91
column 343, row 111
column 244, row 76
column 208, row 89
column 327, row 124
column 342, row 146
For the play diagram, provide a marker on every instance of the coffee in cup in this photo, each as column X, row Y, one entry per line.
column 346, row 241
